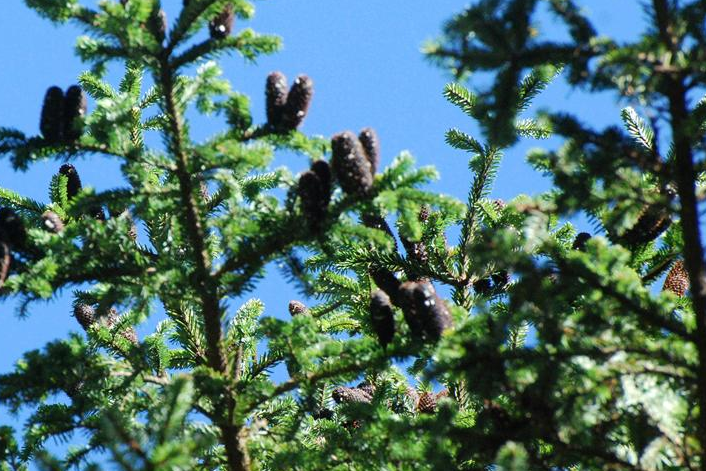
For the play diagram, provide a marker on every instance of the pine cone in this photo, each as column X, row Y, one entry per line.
column 434, row 314
column 297, row 307
column 382, row 317
column 298, row 101
column 12, row 229
column 410, row 309
column 314, row 198
column 423, row 214
column 52, row 222
column 75, row 107
column 371, row 146
column 350, row 166
column 73, row 184
column 52, row 119
column 677, row 280
column 85, row 315
column 276, row 91
column 388, row 282
column 5, row 261
column 652, row 222
column 343, row 394
column 221, row 26
column 580, row 241
column 366, row 387
column 427, row 403
column 323, row 170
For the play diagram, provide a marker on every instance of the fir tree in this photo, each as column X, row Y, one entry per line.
column 193, row 227
column 614, row 377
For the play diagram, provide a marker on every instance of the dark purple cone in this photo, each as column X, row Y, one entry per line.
column 73, row 184
column 75, row 107
column 85, row 315
column 52, row 222
column 323, row 170
column 5, row 261
column 52, row 119
column 222, row 24
column 580, row 241
column 382, row 317
column 297, row 307
column 298, row 101
column 388, row 282
column 371, row 145
column 343, row 394
column 276, row 91
column 434, row 315
column 410, row 310
column 351, row 168
column 313, row 198
column 648, row 227
column 12, row 229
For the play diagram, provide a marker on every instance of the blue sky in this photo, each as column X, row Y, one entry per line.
column 364, row 57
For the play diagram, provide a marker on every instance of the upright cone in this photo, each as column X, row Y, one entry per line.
column 75, row 107
column 350, row 166
column 275, row 98
column 51, row 123
column 371, row 145
column 221, row 25
column 382, row 317
column 73, row 183
column 298, row 101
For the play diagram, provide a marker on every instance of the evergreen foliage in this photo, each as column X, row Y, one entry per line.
column 557, row 349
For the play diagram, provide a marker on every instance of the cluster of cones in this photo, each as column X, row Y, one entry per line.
column 354, row 161
column 61, row 118
column 286, row 108
column 423, row 403
column 13, row 238
column 86, row 316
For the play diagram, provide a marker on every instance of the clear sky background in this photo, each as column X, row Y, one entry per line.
column 364, row 57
